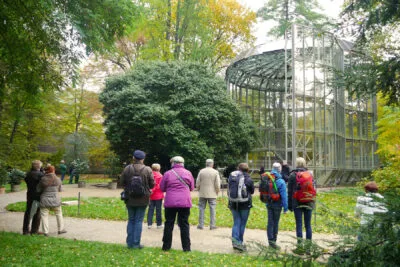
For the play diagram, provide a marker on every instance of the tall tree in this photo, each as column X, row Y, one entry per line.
column 375, row 27
column 39, row 52
column 175, row 108
column 287, row 12
column 210, row 32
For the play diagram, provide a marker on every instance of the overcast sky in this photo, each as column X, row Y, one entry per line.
column 330, row 7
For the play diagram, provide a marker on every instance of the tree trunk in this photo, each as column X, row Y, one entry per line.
column 177, row 49
column 14, row 130
column 168, row 22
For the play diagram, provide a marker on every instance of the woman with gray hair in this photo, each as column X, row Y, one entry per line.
column 177, row 184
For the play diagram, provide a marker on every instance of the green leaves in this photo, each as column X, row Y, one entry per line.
column 175, row 108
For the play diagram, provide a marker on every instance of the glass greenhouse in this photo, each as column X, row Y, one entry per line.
column 289, row 90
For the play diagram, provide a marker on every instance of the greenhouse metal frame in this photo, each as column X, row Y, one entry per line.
column 291, row 94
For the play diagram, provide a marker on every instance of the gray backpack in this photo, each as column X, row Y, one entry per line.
column 237, row 190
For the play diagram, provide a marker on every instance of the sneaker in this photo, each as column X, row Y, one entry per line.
column 213, row 227
column 62, row 232
column 160, row 226
column 149, row 227
column 46, row 235
column 199, row 227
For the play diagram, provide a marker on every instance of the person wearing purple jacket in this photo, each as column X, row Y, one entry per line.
column 177, row 184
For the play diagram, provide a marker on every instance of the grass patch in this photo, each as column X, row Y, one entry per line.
column 19, row 250
column 333, row 208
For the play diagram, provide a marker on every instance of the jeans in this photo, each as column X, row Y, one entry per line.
column 239, row 225
column 274, row 214
column 44, row 213
column 62, row 176
column 298, row 214
column 135, row 223
column 212, row 202
column 183, row 222
column 35, row 220
column 154, row 204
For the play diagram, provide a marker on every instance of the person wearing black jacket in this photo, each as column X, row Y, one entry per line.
column 32, row 179
column 240, row 210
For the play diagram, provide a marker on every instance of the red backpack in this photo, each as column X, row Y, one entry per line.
column 304, row 191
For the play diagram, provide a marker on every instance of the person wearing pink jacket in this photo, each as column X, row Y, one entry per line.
column 177, row 184
column 156, row 198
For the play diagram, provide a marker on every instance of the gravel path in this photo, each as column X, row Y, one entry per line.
column 215, row 241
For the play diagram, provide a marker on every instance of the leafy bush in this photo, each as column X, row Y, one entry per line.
column 113, row 166
column 388, row 178
column 15, row 176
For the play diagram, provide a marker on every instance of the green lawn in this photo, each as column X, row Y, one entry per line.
column 19, row 250
column 335, row 208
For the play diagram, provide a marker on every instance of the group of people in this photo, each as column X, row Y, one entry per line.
column 178, row 182
column 42, row 196
column 174, row 188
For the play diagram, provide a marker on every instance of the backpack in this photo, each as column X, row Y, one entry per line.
column 135, row 187
column 268, row 189
column 304, row 190
column 237, row 190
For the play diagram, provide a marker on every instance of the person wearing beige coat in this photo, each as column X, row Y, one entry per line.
column 208, row 183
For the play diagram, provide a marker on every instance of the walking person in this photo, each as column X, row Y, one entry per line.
column 32, row 179
column 63, row 169
column 177, row 184
column 241, row 187
column 209, row 184
column 137, row 180
column 301, row 200
column 50, row 200
column 274, row 204
column 156, row 198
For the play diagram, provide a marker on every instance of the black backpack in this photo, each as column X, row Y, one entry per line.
column 268, row 190
column 135, row 187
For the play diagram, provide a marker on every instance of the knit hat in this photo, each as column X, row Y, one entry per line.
column 139, row 154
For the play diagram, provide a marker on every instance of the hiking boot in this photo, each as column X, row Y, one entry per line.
column 199, row 227
column 239, row 247
column 213, row 227
column 273, row 245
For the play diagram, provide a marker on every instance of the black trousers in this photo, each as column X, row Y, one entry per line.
column 183, row 222
column 35, row 219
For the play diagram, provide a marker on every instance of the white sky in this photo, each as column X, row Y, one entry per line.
column 331, row 8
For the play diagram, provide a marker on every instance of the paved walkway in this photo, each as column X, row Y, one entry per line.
column 215, row 241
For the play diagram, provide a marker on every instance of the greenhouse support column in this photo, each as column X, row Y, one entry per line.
column 294, row 113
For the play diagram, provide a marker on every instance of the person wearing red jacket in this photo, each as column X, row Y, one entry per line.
column 156, row 198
